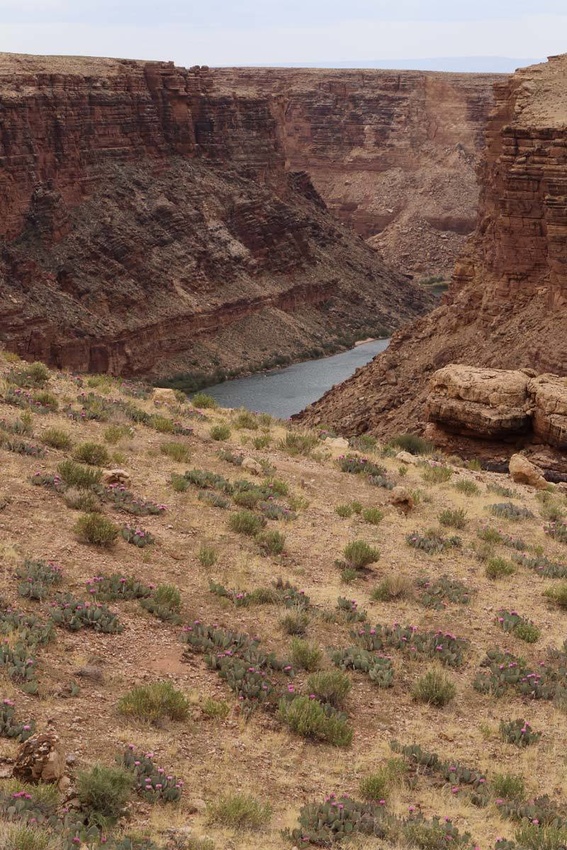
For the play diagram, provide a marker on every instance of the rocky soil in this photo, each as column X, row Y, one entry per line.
column 222, row 749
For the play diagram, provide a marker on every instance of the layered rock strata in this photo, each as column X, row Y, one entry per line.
column 506, row 305
column 393, row 153
column 150, row 224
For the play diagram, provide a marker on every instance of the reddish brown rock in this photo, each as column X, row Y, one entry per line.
column 150, row 225
column 522, row 471
column 484, row 403
column 505, row 308
column 549, row 394
column 392, row 153
column 40, row 759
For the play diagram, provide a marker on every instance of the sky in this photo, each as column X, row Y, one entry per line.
column 276, row 32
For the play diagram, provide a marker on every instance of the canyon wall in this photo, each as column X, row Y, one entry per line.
column 392, row 153
column 506, row 305
column 151, row 224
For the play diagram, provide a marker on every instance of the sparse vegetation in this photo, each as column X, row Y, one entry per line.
column 96, row 529
column 108, row 640
column 154, row 703
column 94, row 454
column 239, row 811
column 434, row 688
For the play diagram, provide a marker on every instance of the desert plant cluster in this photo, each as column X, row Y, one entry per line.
column 241, row 641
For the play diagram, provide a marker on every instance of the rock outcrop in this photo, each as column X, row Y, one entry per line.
column 392, row 153
column 506, row 305
column 150, row 225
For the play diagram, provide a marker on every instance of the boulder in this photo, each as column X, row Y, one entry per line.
column 40, row 759
column 549, row 399
column 402, row 499
column 115, row 476
column 336, row 443
column 487, row 403
column 252, row 466
column 523, row 471
column 406, row 457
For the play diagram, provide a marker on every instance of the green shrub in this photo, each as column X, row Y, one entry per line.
column 220, row 432
column 508, row 510
column 307, row 717
column 295, row 623
column 271, row 542
column 104, row 791
column 246, row 522
column 298, row 443
column 375, row 786
column 215, row 709
column 467, row 487
column 75, row 475
column 239, row 811
column 114, row 433
column 329, row 686
column 533, row 836
column 392, row 587
column 96, row 529
column 162, row 424
column 413, row 444
column 453, row 518
column 56, row 438
column 154, row 703
column 434, row 688
column 203, row 400
column 507, row 786
column 176, row 451
column 436, row 474
column 261, row 442
column 499, row 568
column 17, row 837
column 359, row 554
column 30, row 376
column 374, row 516
column 82, row 500
column 207, row 555
column 94, row 454
column 557, row 594
column 518, row 732
column 246, row 419
column 344, row 511
column 305, row 655
column 167, row 596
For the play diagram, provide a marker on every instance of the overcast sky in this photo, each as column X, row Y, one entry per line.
column 269, row 32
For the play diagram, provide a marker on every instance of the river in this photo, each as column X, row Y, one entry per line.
column 283, row 392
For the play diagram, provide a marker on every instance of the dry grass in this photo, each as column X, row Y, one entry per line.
column 258, row 756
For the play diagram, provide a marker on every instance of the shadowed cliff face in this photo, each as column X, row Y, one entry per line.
column 506, row 307
column 151, row 224
column 393, row 153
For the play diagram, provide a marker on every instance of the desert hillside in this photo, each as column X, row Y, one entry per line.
column 220, row 631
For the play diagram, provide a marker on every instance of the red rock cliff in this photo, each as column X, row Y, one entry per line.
column 393, row 153
column 150, row 225
column 506, row 307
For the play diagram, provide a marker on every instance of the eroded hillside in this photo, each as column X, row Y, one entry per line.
column 393, row 153
column 248, row 617
column 150, row 226
column 506, row 305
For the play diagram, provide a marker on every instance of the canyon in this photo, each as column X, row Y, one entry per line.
column 161, row 220
column 505, row 307
column 392, row 153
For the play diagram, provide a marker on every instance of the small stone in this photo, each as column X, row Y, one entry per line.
column 252, row 466
column 115, row 476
